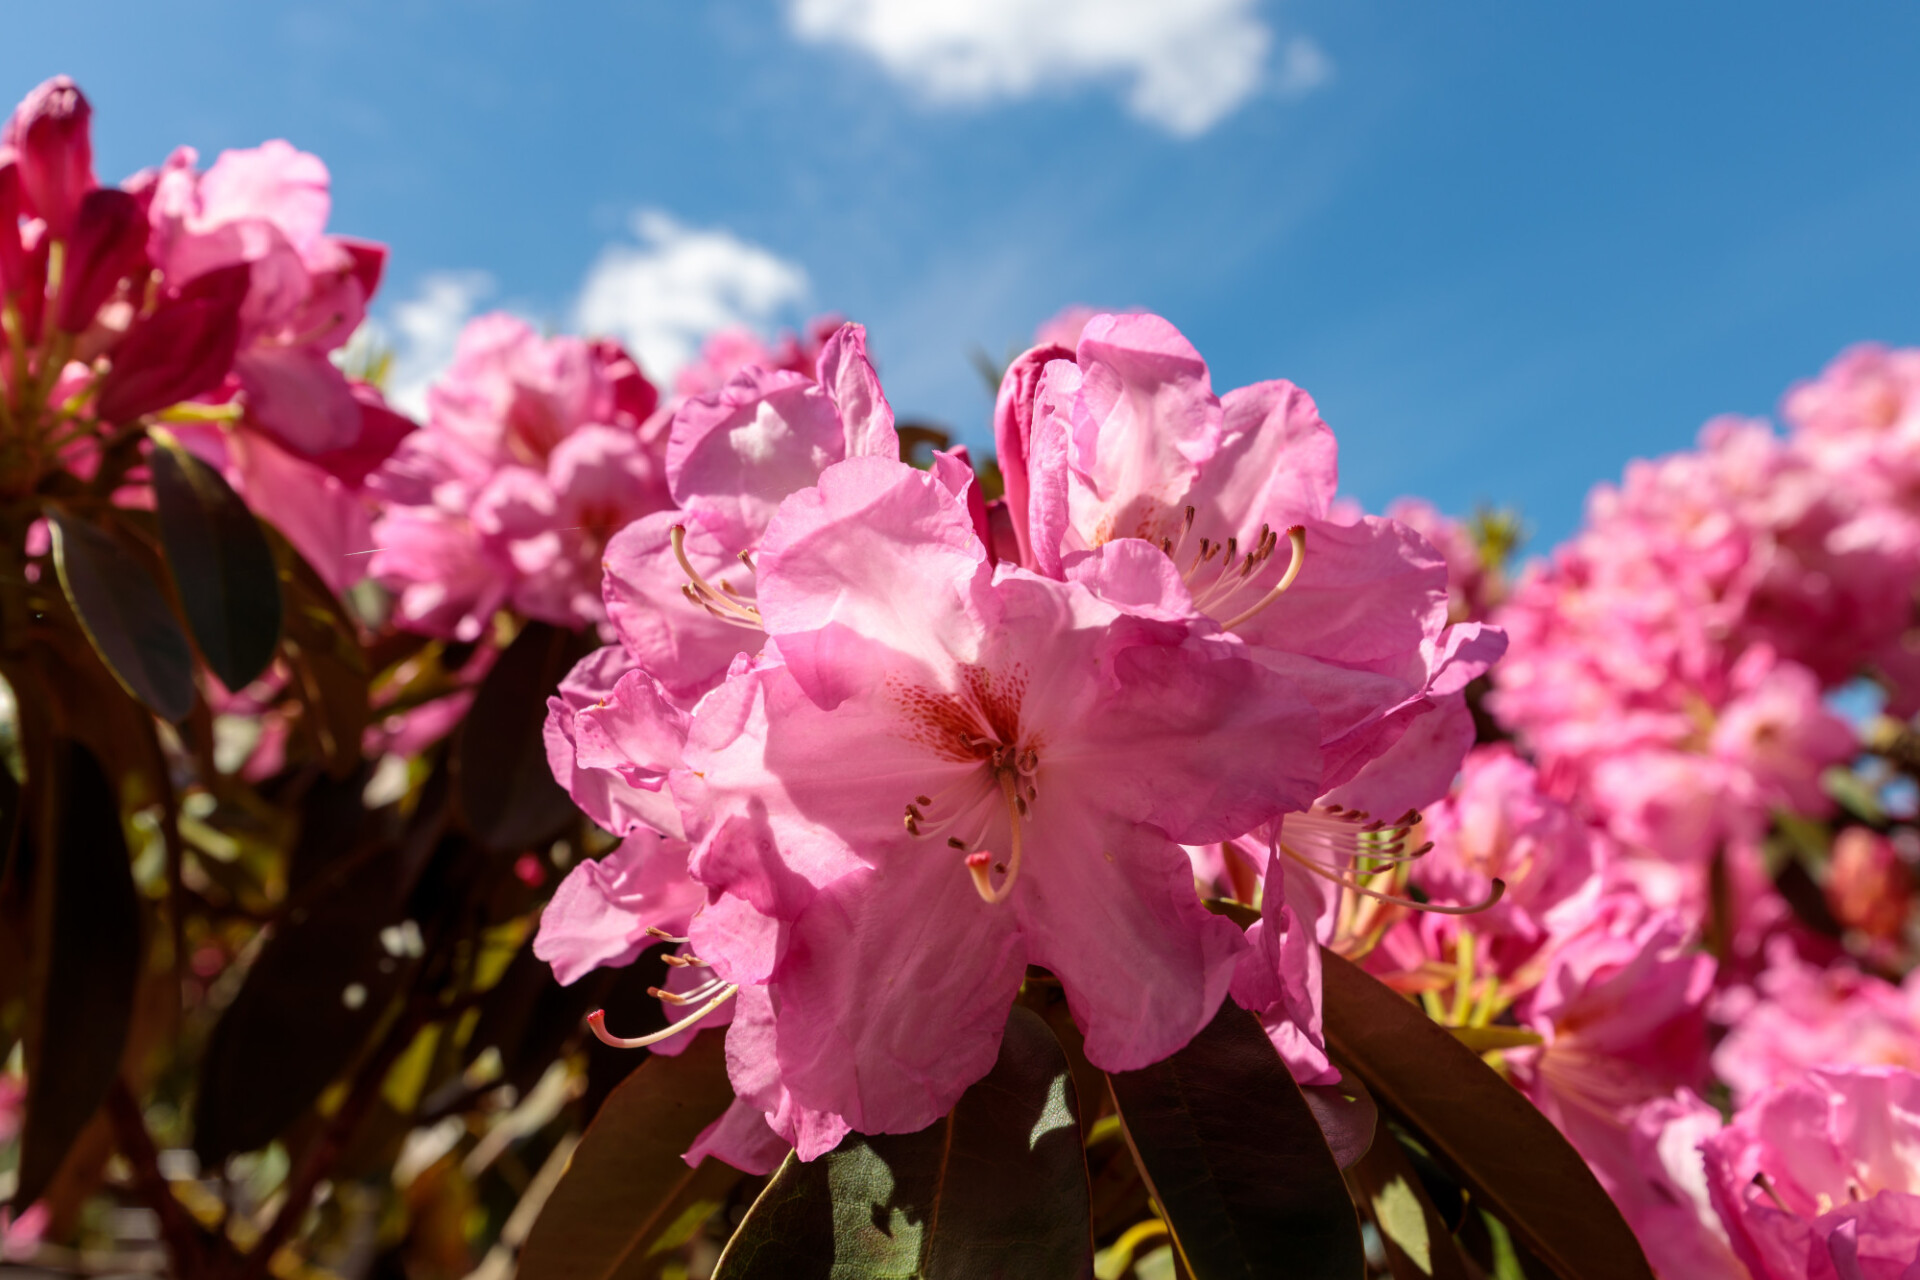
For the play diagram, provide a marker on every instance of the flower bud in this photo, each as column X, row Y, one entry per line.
column 50, row 131
column 1868, row 888
column 184, row 349
column 108, row 244
column 13, row 251
column 633, row 394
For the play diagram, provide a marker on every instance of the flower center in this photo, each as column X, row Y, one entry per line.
column 978, row 725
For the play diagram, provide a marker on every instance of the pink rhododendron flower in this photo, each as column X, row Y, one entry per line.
column 1129, row 441
column 1498, row 824
column 731, row 458
column 728, row 352
column 267, row 207
column 1796, row 1016
column 1860, row 419
column 1817, row 1179
column 536, row 452
column 1474, row 587
column 1621, row 1007
column 938, row 773
column 598, row 917
column 1663, row 1192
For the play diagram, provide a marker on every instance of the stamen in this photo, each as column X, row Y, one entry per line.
column 597, row 1021
column 686, row 997
column 1186, row 527
column 716, row 600
column 662, row 934
column 685, row 962
column 1765, row 1183
column 1298, row 537
column 1348, row 882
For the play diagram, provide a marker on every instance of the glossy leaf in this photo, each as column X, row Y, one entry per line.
column 505, row 787
column 221, row 563
column 1236, row 1159
column 1346, row 1116
column 998, row 1188
column 324, row 650
column 1415, row 1237
column 627, row 1188
column 125, row 615
column 308, row 1004
column 1509, row 1155
column 89, row 958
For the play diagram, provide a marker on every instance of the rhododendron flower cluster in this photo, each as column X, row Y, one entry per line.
column 916, row 743
column 534, row 453
column 214, row 295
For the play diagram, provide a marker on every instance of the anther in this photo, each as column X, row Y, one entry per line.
column 662, row 934
column 955, row 842
column 1298, row 537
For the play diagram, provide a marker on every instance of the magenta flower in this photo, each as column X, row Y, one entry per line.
column 1817, row 1179
column 731, row 458
column 1664, row 1195
column 1622, row 1009
column 536, row 452
column 267, row 207
column 1237, row 492
column 938, row 774
column 1797, row 1016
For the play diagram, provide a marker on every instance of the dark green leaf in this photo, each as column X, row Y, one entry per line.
column 1236, row 1159
column 997, row 1189
column 505, row 787
column 1508, row 1154
column 221, row 563
column 89, row 951
column 308, row 1005
column 627, row 1189
column 324, row 650
column 125, row 615
column 1416, row 1239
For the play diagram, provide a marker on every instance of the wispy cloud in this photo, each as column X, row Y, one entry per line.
column 421, row 332
column 1304, row 67
column 1181, row 66
column 678, row 284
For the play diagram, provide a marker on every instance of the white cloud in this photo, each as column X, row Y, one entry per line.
column 679, row 284
column 1184, row 65
column 1304, row 67
column 421, row 333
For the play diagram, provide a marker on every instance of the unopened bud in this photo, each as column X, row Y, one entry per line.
column 1868, row 887
column 51, row 133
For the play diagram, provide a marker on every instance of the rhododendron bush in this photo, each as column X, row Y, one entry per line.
column 611, row 828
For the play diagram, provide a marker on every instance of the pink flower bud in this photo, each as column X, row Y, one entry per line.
column 1867, row 886
column 13, row 251
column 108, row 244
column 184, row 349
column 50, row 132
column 632, row 393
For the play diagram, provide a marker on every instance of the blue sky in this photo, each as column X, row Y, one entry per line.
column 1506, row 247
